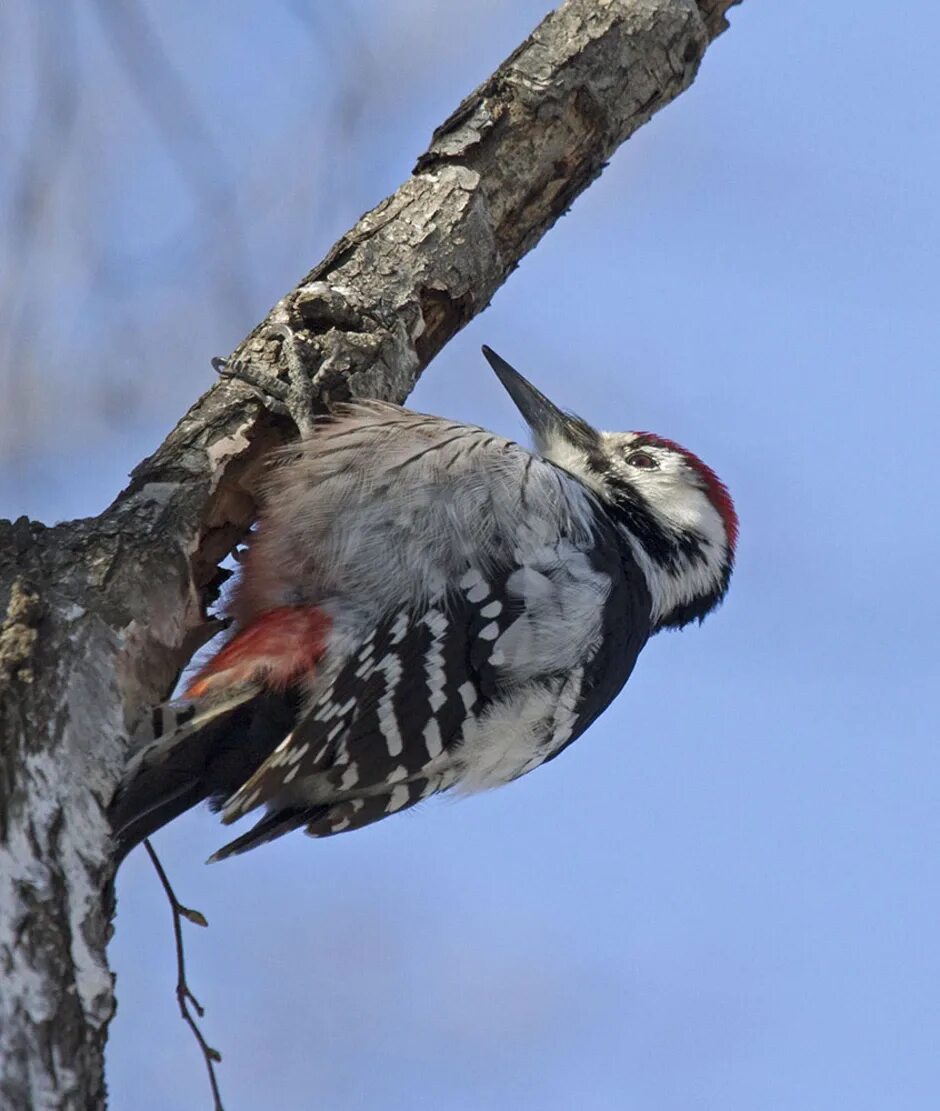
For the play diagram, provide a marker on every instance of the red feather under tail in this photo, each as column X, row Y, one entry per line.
column 275, row 649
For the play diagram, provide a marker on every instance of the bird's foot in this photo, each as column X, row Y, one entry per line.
column 293, row 396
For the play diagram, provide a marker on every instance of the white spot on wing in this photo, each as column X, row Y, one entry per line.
column 398, row 630
column 390, row 666
column 388, row 726
column 397, row 799
column 297, row 754
column 471, row 579
column 478, row 593
column 436, row 621
column 432, row 739
column 329, row 711
column 434, row 660
column 366, row 666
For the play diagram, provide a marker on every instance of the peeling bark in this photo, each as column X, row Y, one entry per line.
column 101, row 614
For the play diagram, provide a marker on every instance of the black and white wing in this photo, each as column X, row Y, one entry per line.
column 465, row 692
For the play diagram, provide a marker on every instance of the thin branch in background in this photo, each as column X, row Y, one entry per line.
column 56, row 89
column 48, row 133
column 183, row 994
column 189, row 141
column 345, row 50
column 348, row 43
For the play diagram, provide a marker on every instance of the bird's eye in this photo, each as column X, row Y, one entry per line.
column 642, row 459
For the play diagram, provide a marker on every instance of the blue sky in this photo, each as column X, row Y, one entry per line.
column 725, row 895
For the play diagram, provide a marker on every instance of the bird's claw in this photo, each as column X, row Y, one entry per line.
column 291, row 397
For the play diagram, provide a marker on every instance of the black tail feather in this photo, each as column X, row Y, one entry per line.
column 272, row 826
column 188, row 765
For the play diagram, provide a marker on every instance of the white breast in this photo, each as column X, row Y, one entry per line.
column 517, row 733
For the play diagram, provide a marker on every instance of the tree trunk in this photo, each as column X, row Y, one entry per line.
column 101, row 614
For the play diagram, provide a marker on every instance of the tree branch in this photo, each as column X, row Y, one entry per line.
column 102, row 613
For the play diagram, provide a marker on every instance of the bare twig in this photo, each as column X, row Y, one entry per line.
column 184, row 995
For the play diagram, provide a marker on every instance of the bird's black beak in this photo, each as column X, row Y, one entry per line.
column 539, row 413
column 548, row 423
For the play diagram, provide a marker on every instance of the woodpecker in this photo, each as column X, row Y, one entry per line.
column 426, row 606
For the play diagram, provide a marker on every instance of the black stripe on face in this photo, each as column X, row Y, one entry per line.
column 587, row 440
column 670, row 549
column 674, row 551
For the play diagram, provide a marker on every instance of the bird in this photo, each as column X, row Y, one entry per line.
column 425, row 606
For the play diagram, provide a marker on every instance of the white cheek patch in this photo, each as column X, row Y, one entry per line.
column 686, row 510
column 681, row 505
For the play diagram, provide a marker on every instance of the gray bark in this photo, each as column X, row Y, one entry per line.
column 101, row 614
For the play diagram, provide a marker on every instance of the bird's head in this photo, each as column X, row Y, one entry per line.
column 674, row 512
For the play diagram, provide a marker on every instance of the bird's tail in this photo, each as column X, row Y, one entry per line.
column 234, row 714
column 167, row 774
